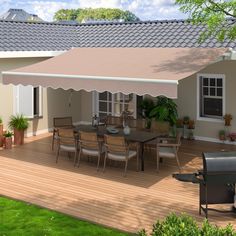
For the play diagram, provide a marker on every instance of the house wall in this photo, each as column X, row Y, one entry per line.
column 55, row 102
column 187, row 99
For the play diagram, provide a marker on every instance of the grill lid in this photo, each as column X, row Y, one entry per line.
column 219, row 162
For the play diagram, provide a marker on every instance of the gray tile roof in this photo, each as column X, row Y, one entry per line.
column 175, row 33
column 28, row 36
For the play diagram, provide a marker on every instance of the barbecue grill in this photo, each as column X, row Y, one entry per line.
column 216, row 180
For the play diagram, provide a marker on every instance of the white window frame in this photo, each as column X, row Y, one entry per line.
column 95, row 104
column 16, row 91
column 217, row 76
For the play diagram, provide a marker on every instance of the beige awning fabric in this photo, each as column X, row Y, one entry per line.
column 153, row 71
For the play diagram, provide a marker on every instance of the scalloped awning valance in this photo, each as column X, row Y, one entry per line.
column 153, row 71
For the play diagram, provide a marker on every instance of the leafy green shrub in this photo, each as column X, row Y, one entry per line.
column 184, row 225
column 165, row 110
column 8, row 134
column 18, row 122
column 0, row 120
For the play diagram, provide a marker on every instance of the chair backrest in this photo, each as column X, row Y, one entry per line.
column 66, row 136
column 160, row 127
column 88, row 140
column 62, row 122
column 114, row 120
column 116, row 144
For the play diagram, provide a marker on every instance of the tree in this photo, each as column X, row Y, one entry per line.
column 95, row 14
column 218, row 17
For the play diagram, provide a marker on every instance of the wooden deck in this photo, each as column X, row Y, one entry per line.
column 29, row 173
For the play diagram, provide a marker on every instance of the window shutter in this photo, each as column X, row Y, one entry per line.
column 24, row 103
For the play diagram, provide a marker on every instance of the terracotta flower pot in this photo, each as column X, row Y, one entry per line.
column 18, row 137
column 227, row 122
column 8, row 142
column 222, row 137
column 1, row 129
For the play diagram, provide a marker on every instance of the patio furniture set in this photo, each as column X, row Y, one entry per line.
column 109, row 140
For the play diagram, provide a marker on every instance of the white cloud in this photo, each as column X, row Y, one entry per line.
column 144, row 9
column 100, row 3
column 46, row 10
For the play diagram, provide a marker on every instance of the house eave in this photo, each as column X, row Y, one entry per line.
column 28, row 54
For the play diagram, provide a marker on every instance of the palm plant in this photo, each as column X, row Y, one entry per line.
column 165, row 110
column 18, row 122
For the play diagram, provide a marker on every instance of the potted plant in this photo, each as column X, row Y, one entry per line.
column 18, row 124
column 232, row 137
column 1, row 132
column 8, row 139
column 228, row 118
column 165, row 111
column 191, row 124
column 222, row 135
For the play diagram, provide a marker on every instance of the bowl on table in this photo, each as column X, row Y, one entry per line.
column 112, row 130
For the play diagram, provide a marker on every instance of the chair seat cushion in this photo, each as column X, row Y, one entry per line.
column 118, row 157
column 91, row 152
column 68, row 148
column 167, row 152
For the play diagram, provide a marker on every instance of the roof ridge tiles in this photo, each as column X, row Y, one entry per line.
column 96, row 23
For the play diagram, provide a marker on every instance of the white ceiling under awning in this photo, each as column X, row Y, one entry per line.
column 153, row 71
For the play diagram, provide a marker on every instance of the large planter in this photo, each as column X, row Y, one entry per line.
column 18, row 137
column 1, row 129
column 1, row 141
column 1, row 135
column 8, row 142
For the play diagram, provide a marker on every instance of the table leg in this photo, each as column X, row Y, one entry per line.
column 141, row 157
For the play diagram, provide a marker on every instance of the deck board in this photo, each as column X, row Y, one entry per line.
column 29, row 173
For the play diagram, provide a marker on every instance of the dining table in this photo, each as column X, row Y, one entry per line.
column 136, row 135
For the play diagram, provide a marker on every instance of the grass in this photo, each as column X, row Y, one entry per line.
column 21, row 219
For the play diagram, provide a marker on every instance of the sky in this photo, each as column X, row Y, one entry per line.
column 144, row 9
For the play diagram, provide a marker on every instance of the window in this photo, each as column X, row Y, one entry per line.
column 113, row 104
column 211, row 94
column 28, row 100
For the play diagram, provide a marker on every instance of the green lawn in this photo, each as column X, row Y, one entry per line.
column 21, row 219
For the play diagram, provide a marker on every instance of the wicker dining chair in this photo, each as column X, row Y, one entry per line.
column 90, row 145
column 168, row 148
column 68, row 142
column 159, row 127
column 60, row 122
column 117, row 149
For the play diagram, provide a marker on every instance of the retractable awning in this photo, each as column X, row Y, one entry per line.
column 153, row 71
